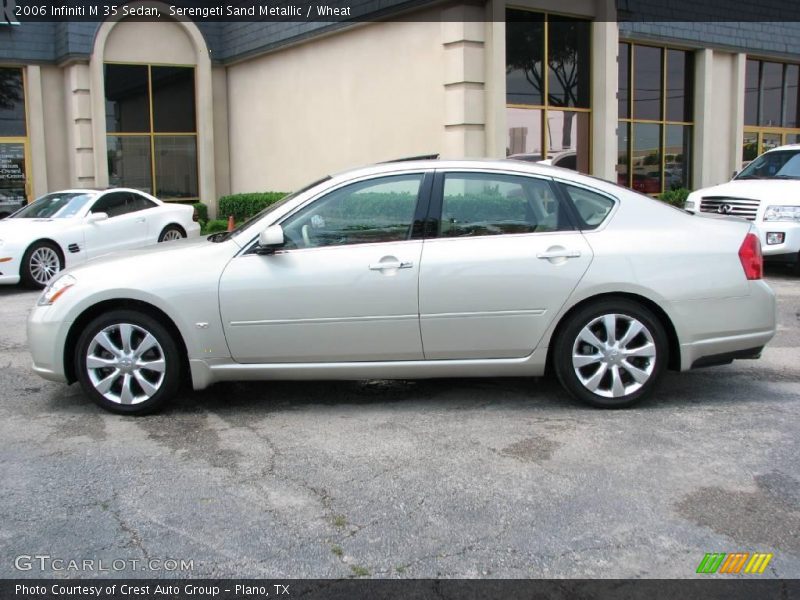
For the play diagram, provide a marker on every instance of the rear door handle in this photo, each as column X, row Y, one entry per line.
column 559, row 254
column 140, row 220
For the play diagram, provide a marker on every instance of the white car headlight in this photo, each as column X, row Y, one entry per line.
column 688, row 205
column 53, row 291
column 782, row 213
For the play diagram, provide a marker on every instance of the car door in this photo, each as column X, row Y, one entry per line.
column 505, row 259
column 123, row 229
column 344, row 287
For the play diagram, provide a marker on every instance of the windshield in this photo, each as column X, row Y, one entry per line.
column 224, row 235
column 54, row 206
column 778, row 164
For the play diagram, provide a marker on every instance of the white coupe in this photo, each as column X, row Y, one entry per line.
column 66, row 228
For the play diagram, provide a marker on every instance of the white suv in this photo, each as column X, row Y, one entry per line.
column 767, row 192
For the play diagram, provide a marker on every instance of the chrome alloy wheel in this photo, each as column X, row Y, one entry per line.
column 171, row 235
column 125, row 363
column 44, row 263
column 614, row 355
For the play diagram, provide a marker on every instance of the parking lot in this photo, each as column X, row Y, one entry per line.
column 452, row 478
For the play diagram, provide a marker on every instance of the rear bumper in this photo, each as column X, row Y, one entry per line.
column 717, row 331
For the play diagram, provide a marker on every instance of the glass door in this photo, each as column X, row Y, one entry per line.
column 14, row 188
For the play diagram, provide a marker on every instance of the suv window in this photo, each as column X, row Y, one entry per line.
column 476, row 204
column 593, row 208
column 377, row 210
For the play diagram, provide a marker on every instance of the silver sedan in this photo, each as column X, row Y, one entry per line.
column 413, row 270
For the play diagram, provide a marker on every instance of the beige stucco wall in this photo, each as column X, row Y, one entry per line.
column 149, row 42
column 55, row 126
column 371, row 93
column 719, row 114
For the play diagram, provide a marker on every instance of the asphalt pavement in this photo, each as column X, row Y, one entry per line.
column 486, row 478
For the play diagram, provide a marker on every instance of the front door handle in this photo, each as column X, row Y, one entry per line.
column 390, row 263
column 561, row 253
column 140, row 220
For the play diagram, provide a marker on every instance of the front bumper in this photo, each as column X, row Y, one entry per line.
column 46, row 338
column 9, row 269
column 791, row 238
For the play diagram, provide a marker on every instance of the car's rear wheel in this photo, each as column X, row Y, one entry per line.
column 611, row 353
column 127, row 362
column 40, row 263
column 171, row 233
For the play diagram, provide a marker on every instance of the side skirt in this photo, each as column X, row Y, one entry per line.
column 204, row 373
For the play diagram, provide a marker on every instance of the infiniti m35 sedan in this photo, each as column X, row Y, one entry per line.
column 414, row 270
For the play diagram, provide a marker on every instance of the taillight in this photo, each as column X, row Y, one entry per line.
column 750, row 255
column 195, row 215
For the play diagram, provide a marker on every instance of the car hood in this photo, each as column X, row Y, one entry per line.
column 780, row 191
column 23, row 229
column 159, row 261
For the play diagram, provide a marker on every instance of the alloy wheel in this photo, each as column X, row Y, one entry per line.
column 125, row 363
column 614, row 355
column 44, row 263
column 171, row 235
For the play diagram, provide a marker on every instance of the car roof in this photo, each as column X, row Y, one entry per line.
column 785, row 147
column 513, row 166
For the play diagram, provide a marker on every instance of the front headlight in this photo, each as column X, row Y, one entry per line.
column 53, row 291
column 782, row 213
column 688, row 205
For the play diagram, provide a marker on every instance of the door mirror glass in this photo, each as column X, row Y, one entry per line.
column 97, row 217
column 270, row 239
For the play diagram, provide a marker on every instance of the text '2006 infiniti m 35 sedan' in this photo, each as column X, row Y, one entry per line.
column 413, row 270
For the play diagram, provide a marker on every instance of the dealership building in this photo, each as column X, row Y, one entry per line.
column 191, row 109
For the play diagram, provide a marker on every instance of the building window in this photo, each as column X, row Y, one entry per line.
column 13, row 141
column 656, row 114
column 152, row 130
column 771, row 107
column 548, row 88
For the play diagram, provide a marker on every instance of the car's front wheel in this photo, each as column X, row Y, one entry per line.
column 40, row 263
column 127, row 362
column 611, row 353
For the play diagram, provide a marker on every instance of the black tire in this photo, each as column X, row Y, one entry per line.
column 168, row 233
column 33, row 270
column 617, row 385
column 114, row 323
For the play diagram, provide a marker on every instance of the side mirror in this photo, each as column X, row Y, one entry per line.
column 735, row 173
column 97, row 217
column 270, row 239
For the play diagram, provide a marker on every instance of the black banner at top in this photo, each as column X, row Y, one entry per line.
column 18, row 12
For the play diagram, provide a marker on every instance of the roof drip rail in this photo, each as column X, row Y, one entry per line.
column 409, row 158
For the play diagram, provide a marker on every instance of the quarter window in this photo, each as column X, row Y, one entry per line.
column 378, row 210
column 593, row 208
column 486, row 204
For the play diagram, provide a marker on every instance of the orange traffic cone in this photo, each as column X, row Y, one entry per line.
column 230, row 223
